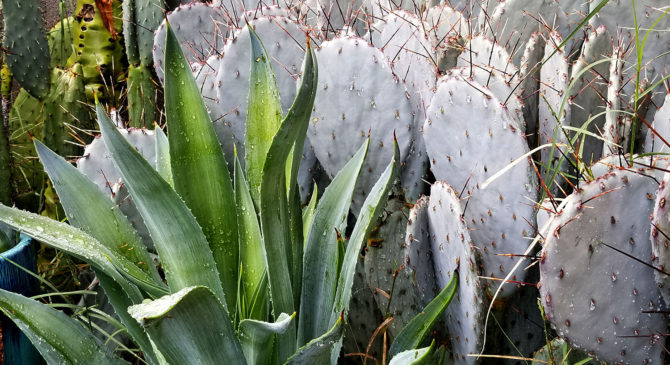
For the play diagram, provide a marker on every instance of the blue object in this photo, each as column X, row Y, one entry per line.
column 17, row 348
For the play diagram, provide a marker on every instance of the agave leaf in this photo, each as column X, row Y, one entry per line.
column 264, row 114
column 275, row 221
column 90, row 210
column 423, row 356
column 59, row 338
column 318, row 351
column 321, row 250
column 372, row 208
column 257, row 338
column 199, row 170
column 308, row 213
column 80, row 245
column 181, row 245
column 252, row 252
column 163, row 156
column 190, row 326
column 121, row 300
column 416, row 330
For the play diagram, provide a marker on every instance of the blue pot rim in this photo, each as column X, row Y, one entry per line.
column 23, row 244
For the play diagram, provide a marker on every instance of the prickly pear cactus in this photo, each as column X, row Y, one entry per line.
column 446, row 29
column 454, row 251
column 284, row 41
column 554, row 111
column 27, row 49
column 660, row 237
column 590, row 258
column 660, row 141
column 97, row 164
column 201, row 29
column 408, row 50
column 590, row 77
column 357, row 95
column 615, row 132
column 498, row 215
column 484, row 53
column 620, row 17
column 529, row 76
column 514, row 21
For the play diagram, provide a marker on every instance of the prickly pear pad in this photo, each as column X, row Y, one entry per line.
column 660, row 237
column 585, row 266
column 284, row 41
column 201, row 29
column 453, row 250
column 97, row 162
column 661, row 125
column 358, row 94
column 469, row 137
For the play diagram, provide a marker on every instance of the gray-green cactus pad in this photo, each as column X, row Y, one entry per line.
column 554, row 111
column 284, row 41
column 201, row 29
column 97, row 163
column 593, row 291
column 590, row 81
column 661, row 124
column 660, row 237
column 358, row 94
column 453, row 250
column 469, row 137
column 407, row 48
column 446, row 29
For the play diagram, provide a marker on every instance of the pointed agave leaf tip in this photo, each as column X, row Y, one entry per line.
column 395, row 139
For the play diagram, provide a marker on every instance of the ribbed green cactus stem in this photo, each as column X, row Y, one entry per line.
column 5, row 171
column 141, row 97
column 27, row 53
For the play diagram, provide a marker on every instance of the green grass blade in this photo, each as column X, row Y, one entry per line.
column 264, row 114
column 59, row 338
column 318, row 351
column 321, row 250
column 181, row 245
column 190, row 326
column 422, row 356
column 257, row 338
column 252, row 251
column 80, row 245
column 92, row 211
column 163, row 156
column 199, row 170
column 372, row 208
column 416, row 330
column 275, row 221
column 308, row 213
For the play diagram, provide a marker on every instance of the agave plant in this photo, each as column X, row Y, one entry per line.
column 236, row 265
